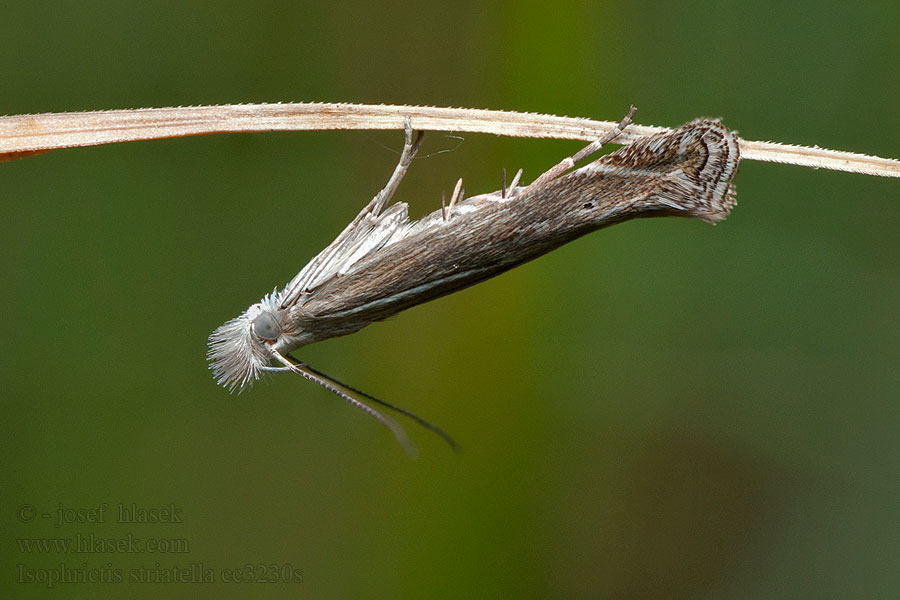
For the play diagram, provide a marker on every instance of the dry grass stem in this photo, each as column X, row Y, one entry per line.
column 27, row 135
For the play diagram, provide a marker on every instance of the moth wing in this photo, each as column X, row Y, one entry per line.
column 360, row 239
column 367, row 240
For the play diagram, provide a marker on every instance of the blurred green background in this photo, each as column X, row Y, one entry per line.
column 662, row 409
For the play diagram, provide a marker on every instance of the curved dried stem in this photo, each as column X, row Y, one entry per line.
column 26, row 135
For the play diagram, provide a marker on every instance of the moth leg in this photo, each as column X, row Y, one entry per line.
column 375, row 206
column 410, row 148
column 507, row 192
column 457, row 195
column 514, row 183
column 569, row 162
column 371, row 211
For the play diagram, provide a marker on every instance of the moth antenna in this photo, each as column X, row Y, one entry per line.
column 429, row 426
column 333, row 385
column 443, row 205
column 329, row 384
column 503, row 182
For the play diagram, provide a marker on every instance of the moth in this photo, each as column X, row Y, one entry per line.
column 383, row 263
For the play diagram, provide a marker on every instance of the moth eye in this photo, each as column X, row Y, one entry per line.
column 266, row 327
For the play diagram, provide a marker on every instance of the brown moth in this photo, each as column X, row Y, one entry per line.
column 383, row 263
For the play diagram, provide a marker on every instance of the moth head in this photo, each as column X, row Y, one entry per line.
column 239, row 351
